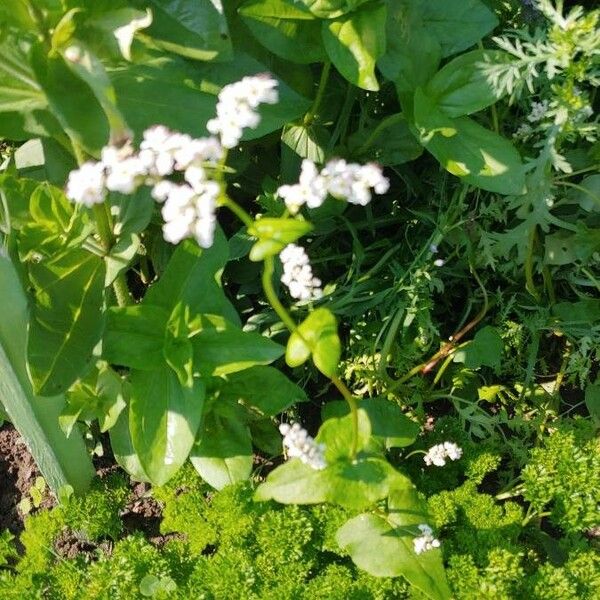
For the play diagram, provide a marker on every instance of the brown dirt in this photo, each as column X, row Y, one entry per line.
column 17, row 475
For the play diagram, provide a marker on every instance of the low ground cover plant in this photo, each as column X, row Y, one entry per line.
column 338, row 261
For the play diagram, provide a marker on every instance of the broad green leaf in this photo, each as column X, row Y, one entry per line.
column 588, row 193
column 360, row 483
column 316, row 335
column 193, row 277
column 485, row 349
column 383, row 550
column 264, row 390
column 468, row 150
column 193, row 28
column 413, row 53
column 178, row 350
column 120, row 256
column 330, row 9
column 307, row 141
column 463, row 86
column 135, row 336
column 122, row 448
column 164, row 418
column 221, row 348
column 294, row 483
column 389, row 142
column 286, row 29
column 386, row 418
column 62, row 461
column 147, row 93
column 266, row 436
column 87, row 66
column 354, row 42
column 66, row 319
column 338, row 434
column 354, row 485
column 19, row 90
column 275, row 234
column 71, row 100
column 222, row 454
column 456, row 25
column 134, row 211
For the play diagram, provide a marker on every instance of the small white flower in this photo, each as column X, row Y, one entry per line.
column 87, row 185
column 125, row 172
column 437, row 455
column 439, row 262
column 311, row 189
column 298, row 444
column 538, row 111
column 298, row 275
column 524, row 131
column 162, row 189
column 190, row 212
column 426, row 541
column 345, row 181
column 237, row 104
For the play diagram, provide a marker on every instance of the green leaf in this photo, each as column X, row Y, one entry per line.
column 66, row 319
column 263, row 390
column 71, row 100
column 122, row 448
column 354, row 485
column 223, row 453
column 19, row 90
column 221, row 348
column 307, row 141
column 463, row 86
column 192, row 277
column 147, row 93
column 193, row 28
column 286, row 29
column 274, row 235
column 62, row 461
column 354, row 42
column 468, row 150
column 99, row 396
column 45, row 160
column 135, row 336
column 86, row 65
column 338, row 433
column 387, row 420
column 330, row 9
column 456, row 25
column 294, row 483
column 164, row 418
column 122, row 24
column 316, row 335
column 412, row 54
column 485, row 349
column 382, row 550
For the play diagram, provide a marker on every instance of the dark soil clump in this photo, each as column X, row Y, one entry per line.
column 18, row 473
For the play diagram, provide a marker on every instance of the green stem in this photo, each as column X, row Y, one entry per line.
column 351, row 400
column 312, row 113
column 236, row 209
column 267, row 281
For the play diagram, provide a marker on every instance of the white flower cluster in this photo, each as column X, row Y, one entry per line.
column 236, row 108
column 189, row 209
column 426, row 541
column 298, row 275
column 342, row 180
column 299, row 444
column 538, row 111
column 437, row 455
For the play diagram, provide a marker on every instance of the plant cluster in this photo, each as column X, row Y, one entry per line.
column 361, row 235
